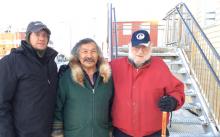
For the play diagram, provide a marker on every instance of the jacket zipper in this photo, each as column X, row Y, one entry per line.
column 93, row 111
column 93, row 107
column 48, row 81
column 48, row 77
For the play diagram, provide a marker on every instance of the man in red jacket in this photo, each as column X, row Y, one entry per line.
column 144, row 87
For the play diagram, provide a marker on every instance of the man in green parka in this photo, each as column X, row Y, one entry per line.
column 85, row 94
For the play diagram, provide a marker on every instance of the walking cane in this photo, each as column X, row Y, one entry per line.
column 164, row 124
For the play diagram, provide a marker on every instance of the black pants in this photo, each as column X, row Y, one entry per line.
column 119, row 133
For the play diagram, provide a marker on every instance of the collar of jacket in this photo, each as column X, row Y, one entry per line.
column 77, row 73
column 95, row 77
column 27, row 50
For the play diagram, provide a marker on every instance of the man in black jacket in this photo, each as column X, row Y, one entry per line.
column 28, row 82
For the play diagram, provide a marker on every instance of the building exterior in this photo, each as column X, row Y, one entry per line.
column 10, row 40
column 125, row 29
column 212, row 24
column 207, row 13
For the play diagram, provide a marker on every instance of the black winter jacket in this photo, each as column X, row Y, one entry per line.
column 27, row 93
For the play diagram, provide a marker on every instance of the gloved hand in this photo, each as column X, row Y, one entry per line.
column 62, row 69
column 167, row 103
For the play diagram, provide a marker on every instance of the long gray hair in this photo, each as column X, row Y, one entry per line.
column 76, row 48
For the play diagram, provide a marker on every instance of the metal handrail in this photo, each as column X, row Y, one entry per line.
column 198, row 46
column 202, row 32
column 215, row 53
column 194, row 20
column 184, row 31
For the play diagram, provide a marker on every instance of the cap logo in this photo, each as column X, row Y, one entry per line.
column 38, row 23
column 140, row 36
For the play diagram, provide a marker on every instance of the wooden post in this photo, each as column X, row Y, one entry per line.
column 164, row 124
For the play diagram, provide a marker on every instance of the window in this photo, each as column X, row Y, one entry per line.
column 209, row 13
column 127, row 28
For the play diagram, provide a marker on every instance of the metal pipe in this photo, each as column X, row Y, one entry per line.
column 116, row 36
column 110, row 30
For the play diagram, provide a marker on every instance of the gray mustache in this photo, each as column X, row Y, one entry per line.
column 88, row 60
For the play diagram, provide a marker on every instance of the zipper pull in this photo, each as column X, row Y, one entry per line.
column 93, row 91
column 48, row 81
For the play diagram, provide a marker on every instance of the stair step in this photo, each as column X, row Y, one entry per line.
column 177, row 134
column 190, row 92
column 188, row 81
column 191, row 106
column 180, row 71
column 188, row 120
column 165, row 54
column 175, row 62
column 122, row 54
column 164, row 49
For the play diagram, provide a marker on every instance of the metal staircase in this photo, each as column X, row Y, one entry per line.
column 200, row 73
column 190, row 120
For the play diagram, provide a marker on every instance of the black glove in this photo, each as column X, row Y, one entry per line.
column 62, row 69
column 167, row 103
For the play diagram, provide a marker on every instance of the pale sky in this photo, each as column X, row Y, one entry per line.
column 72, row 20
column 69, row 20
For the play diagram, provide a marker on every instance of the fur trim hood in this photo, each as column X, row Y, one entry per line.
column 78, row 75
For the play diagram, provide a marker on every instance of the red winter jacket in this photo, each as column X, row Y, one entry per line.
column 137, row 92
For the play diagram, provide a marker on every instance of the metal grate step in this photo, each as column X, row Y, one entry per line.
column 180, row 71
column 188, row 129
column 175, row 62
column 192, row 106
column 188, row 120
column 122, row 54
column 165, row 54
column 190, row 92
column 188, row 81
column 176, row 134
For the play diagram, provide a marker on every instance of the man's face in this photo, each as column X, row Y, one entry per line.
column 39, row 40
column 140, row 54
column 88, row 55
